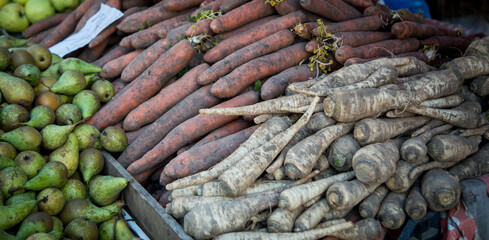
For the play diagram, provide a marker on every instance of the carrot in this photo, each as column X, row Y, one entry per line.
column 282, row 220
column 212, row 6
column 200, row 27
column 415, row 206
column 368, row 228
column 369, row 207
column 184, row 110
column 142, row 178
column 118, row 85
column 452, row 148
column 127, row 4
column 230, row 45
column 414, row 150
column 41, row 36
column 229, row 5
column 359, row 3
column 241, row 15
column 405, row 15
column 179, row 5
column 92, row 54
column 114, row 67
column 112, row 54
column 145, row 86
column 276, row 85
column 341, row 151
column 132, row 135
column 378, row 11
column 44, row 24
column 301, row 158
column 187, row 132
column 407, row 29
column 304, row 30
column 378, row 49
column 202, row 157
column 150, row 110
column 473, row 166
column 150, row 16
column 151, row 54
column 146, row 38
column 348, row 10
column 325, row 9
column 391, row 213
column 89, row 13
column 445, row 42
column 258, row 68
column 67, row 26
column 469, row 67
column 371, row 23
column 226, row 130
column 370, row 130
column 440, row 189
column 347, row 194
column 287, row 6
column 262, row 47
column 359, row 38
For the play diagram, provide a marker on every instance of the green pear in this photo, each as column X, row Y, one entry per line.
column 6, row 236
column 104, row 89
column 106, row 229
column 105, row 190
column 52, row 174
column 38, row 222
column 11, row 181
column 44, row 84
column 77, row 176
column 79, row 65
column 42, row 56
column 12, row 18
column 91, row 78
column 88, row 136
column 55, row 58
column 6, row 162
column 7, row 150
column 11, row 42
column 52, row 71
column 70, row 82
column 54, row 136
column 11, row 115
column 51, row 200
column 5, row 58
column 29, row 73
column 16, row 90
column 58, row 227
column 23, row 138
column 122, row 230
column 81, row 228
column 42, row 236
column 88, row 102
column 79, row 207
column 30, row 162
column 74, row 189
column 40, row 117
column 68, row 114
column 23, row 197
column 14, row 214
column 91, row 163
column 62, row 5
column 2, row 199
column 113, row 139
column 67, row 154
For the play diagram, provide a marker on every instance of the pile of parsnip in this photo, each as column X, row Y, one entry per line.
column 387, row 140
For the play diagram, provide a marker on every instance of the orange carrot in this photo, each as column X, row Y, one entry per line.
column 114, row 67
column 168, row 97
column 406, row 15
column 371, row 23
column 359, row 38
column 304, row 30
column 258, row 68
column 163, row 201
column 377, row 11
column 276, row 85
column 229, row 5
column 44, row 24
column 325, row 9
column 406, row 29
column 212, row 6
column 145, row 86
column 287, row 6
column 241, row 15
column 226, row 130
column 90, row 12
column 112, row 54
column 126, row 4
column 148, row 56
column 230, row 45
column 154, row 133
column 200, row 27
column 348, row 10
column 118, row 85
column 132, row 135
column 188, row 131
column 445, row 42
column 92, row 54
column 359, row 3
column 143, row 178
column 264, row 46
column 179, row 5
column 378, row 49
column 38, row 38
column 312, row 45
column 205, row 156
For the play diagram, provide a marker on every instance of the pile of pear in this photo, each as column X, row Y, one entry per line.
column 51, row 185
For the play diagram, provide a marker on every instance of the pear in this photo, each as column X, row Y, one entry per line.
column 29, row 73
column 16, row 90
column 5, row 58
column 23, row 197
column 48, row 99
column 67, row 154
column 74, row 189
column 81, row 228
column 23, row 138
column 6, row 236
column 106, row 229
column 58, row 227
column 91, row 78
column 11, row 181
column 79, row 207
column 54, row 136
column 7, row 150
column 52, row 71
column 11, row 115
column 79, row 65
column 30, row 162
column 52, row 174
column 40, row 117
column 68, row 114
column 55, row 58
column 113, row 139
column 70, row 82
column 44, row 84
column 104, row 89
column 6, row 162
column 42, row 236
column 42, row 56
column 14, row 214
column 38, row 222
column 20, row 56
column 122, row 230
column 91, row 163
column 88, row 136
column 88, row 102
column 105, row 190
column 77, row 176
column 51, row 200
column 11, row 42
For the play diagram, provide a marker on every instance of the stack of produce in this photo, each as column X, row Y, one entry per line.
column 50, row 161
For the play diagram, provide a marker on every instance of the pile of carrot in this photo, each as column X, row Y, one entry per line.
column 285, row 106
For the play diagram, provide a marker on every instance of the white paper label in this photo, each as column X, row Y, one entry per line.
column 105, row 16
